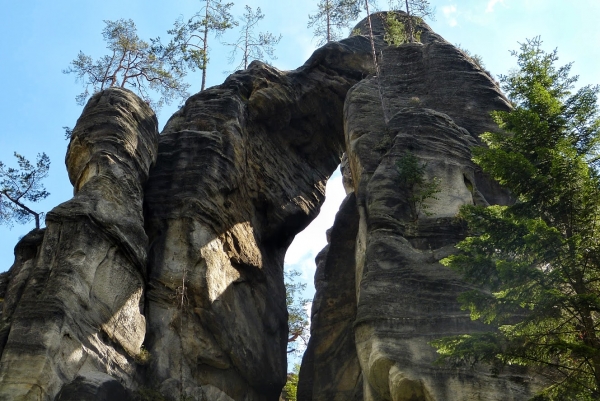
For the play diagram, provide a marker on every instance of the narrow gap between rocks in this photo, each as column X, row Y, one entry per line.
column 307, row 244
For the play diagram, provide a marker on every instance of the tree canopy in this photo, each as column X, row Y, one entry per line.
column 190, row 38
column 144, row 67
column 331, row 17
column 414, row 9
column 298, row 325
column 537, row 261
column 290, row 390
column 21, row 185
column 252, row 45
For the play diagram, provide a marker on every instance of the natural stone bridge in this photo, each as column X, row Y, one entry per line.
column 164, row 273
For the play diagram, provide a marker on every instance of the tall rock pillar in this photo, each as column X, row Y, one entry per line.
column 73, row 311
column 428, row 101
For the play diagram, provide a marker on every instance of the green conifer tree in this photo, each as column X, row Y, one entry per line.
column 21, row 185
column 191, row 37
column 331, row 17
column 537, row 262
column 144, row 67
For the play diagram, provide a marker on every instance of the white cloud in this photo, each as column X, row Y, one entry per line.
column 450, row 14
column 492, row 4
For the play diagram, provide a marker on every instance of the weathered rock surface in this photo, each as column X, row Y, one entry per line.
column 330, row 367
column 73, row 309
column 432, row 101
column 241, row 170
column 169, row 282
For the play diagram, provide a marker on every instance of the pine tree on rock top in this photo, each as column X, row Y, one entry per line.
column 191, row 37
column 144, row 67
column 331, row 17
column 252, row 45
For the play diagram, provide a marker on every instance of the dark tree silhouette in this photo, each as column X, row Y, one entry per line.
column 21, row 185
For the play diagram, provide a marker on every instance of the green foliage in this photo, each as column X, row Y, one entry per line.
column 131, row 63
column 417, row 36
column 190, row 38
column 143, row 357
column 18, row 185
column 290, row 389
column 253, row 46
column 414, row 101
column 331, row 17
column 384, row 144
column 537, row 261
column 416, row 10
column 395, row 32
column 68, row 132
column 298, row 325
column 419, row 190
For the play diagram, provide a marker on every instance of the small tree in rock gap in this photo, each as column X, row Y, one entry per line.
column 298, row 325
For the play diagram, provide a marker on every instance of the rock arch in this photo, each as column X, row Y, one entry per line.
column 241, row 169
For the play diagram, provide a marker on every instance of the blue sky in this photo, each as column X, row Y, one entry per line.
column 38, row 39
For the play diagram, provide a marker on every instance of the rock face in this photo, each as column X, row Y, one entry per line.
column 73, row 307
column 330, row 366
column 241, row 169
column 167, row 283
column 429, row 101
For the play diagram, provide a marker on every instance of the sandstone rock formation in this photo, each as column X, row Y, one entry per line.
column 73, row 304
column 330, row 367
column 168, row 283
column 430, row 101
column 241, row 169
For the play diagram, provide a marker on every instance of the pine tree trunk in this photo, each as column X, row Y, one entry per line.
column 205, row 47
column 246, row 50
column 328, row 21
column 410, row 24
column 371, row 37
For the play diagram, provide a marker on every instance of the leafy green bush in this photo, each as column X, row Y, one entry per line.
column 395, row 31
column 412, row 179
column 291, row 386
